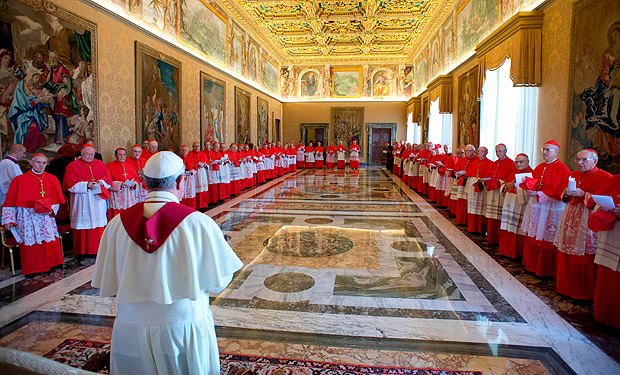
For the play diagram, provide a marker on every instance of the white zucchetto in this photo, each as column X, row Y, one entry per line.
column 163, row 164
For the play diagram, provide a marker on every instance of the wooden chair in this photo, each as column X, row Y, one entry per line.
column 10, row 243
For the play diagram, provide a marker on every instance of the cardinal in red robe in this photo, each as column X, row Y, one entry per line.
column 32, row 201
column 496, row 175
column 576, row 244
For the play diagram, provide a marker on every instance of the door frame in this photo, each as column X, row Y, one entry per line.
column 379, row 125
column 304, row 126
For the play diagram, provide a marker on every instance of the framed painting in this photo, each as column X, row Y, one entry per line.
column 347, row 123
column 212, row 109
column 158, row 98
column 475, row 19
column 204, row 28
column 421, row 72
column 242, row 116
column 49, row 80
column 382, row 83
column 270, row 75
column 262, row 119
column 594, row 84
column 468, row 109
column 346, row 82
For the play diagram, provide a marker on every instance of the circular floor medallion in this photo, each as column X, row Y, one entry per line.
column 318, row 220
column 289, row 282
column 311, row 243
column 409, row 246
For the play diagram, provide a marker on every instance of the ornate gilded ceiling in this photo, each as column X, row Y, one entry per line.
column 342, row 31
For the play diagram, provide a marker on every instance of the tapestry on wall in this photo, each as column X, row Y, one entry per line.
column 426, row 110
column 158, row 98
column 594, row 83
column 421, row 73
column 262, row 119
column 469, row 109
column 242, row 116
column 212, row 108
column 347, row 124
column 346, row 82
column 48, row 83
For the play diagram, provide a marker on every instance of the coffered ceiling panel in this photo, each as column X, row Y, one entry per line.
column 332, row 31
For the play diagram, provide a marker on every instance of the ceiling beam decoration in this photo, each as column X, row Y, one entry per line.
column 335, row 32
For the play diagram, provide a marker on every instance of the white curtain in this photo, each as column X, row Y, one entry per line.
column 440, row 125
column 507, row 114
column 410, row 128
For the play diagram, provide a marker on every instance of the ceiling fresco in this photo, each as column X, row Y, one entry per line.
column 342, row 31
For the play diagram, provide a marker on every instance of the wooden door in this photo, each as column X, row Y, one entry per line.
column 379, row 138
column 319, row 134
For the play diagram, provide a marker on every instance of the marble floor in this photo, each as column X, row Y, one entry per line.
column 343, row 266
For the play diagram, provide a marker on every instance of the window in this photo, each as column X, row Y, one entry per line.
column 439, row 125
column 414, row 130
column 507, row 114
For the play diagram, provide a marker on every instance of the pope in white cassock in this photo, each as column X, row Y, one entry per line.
column 161, row 259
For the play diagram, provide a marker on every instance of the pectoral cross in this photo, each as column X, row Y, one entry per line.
column 124, row 172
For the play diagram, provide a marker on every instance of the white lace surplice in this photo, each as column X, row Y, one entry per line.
column 541, row 218
column 573, row 236
column 33, row 228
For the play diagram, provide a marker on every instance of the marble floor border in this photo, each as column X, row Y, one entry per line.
column 547, row 356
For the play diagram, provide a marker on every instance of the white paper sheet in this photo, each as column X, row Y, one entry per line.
column 519, row 177
column 606, row 202
column 16, row 235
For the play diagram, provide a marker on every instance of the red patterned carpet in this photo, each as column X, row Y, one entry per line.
column 77, row 353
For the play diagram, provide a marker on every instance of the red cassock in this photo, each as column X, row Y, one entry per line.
column 459, row 208
column 265, row 154
column 225, row 187
column 300, row 162
column 354, row 160
column 86, row 241
column 340, row 163
column 449, row 162
column 138, row 164
column 202, row 198
column 318, row 153
column 291, row 151
column 24, row 191
column 216, row 188
column 122, row 172
column 424, row 156
column 330, row 150
column 576, row 273
column 414, row 180
column 146, row 155
column 190, row 165
column 511, row 244
column 405, row 156
column 432, row 190
column 475, row 222
column 499, row 171
column 312, row 163
column 606, row 301
column 279, row 152
column 539, row 255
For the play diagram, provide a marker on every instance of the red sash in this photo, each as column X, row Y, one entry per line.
column 151, row 233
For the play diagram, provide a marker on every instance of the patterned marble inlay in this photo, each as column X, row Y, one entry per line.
column 318, row 220
column 411, row 246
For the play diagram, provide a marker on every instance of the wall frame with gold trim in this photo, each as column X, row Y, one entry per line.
column 349, row 81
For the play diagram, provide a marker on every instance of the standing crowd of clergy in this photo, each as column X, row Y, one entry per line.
column 97, row 191
column 558, row 223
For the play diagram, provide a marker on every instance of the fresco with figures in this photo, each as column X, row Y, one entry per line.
column 475, row 20
column 48, row 85
column 346, row 82
column 204, row 27
column 212, row 108
column 158, row 98
column 421, row 72
column 594, row 118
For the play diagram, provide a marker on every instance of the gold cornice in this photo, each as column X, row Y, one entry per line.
column 516, row 23
column 414, row 100
column 441, row 80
